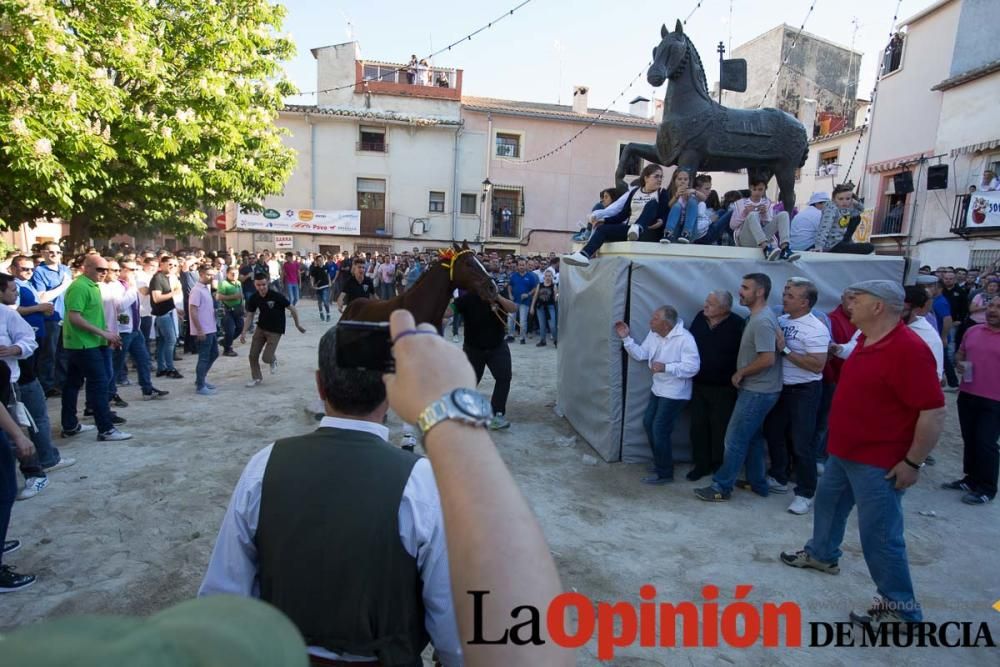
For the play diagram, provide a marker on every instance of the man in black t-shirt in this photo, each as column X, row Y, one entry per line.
column 485, row 327
column 270, row 325
column 320, row 277
column 356, row 286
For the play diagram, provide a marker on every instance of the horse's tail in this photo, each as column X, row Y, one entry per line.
column 805, row 155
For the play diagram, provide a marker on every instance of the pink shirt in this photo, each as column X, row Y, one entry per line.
column 290, row 272
column 981, row 346
column 205, row 315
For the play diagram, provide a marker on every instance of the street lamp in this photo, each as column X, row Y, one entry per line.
column 487, row 186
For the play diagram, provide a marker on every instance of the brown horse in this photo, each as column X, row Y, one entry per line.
column 428, row 299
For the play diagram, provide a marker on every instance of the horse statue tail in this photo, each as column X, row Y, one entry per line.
column 805, row 156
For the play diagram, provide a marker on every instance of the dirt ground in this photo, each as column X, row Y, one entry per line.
column 129, row 528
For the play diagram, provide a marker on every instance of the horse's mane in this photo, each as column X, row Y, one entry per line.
column 697, row 59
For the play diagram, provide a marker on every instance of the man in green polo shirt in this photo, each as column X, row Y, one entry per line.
column 86, row 341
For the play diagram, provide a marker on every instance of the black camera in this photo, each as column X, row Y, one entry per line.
column 365, row 345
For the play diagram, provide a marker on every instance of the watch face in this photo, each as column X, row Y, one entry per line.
column 472, row 403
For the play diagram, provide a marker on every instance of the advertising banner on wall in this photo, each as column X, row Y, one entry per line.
column 984, row 210
column 301, row 221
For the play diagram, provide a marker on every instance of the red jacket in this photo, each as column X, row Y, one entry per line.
column 841, row 331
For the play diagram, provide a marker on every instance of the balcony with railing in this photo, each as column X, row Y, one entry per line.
column 395, row 79
column 372, row 147
column 506, row 227
column 980, row 221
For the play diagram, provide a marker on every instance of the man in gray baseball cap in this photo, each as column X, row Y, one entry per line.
column 886, row 417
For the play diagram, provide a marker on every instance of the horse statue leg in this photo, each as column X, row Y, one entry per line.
column 785, row 176
column 632, row 150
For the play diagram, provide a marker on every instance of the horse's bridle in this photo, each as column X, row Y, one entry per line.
column 451, row 262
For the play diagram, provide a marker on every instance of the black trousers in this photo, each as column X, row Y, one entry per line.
column 711, row 407
column 497, row 360
column 979, row 419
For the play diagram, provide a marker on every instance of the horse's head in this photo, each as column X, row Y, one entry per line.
column 469, row 274
column 669, row 56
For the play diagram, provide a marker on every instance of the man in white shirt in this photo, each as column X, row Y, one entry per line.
column 371, row 533
column 672, row 355
column 805, row 225
column 803, row 342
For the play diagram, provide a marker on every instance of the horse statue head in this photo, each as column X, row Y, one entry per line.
column 467, row 272
column 671, row 56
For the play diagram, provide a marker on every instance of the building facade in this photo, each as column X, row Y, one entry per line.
column 534, row 204
column 936, row 111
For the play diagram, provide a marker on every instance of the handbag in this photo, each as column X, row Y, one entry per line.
column 20, row 413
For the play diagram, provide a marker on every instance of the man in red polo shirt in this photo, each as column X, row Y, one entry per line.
column 886, row 417
column 978, row 362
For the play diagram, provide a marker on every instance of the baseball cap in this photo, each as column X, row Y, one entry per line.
column 818, row 198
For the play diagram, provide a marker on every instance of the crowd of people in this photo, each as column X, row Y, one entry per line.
column 688, row 210
column 817, row 405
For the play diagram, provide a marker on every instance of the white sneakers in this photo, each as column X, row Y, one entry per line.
column 114, row 435
column 408, row 442
column 775, row 486
column 32, row 487
column 274, row 366
column 633, row 232
column 800, row 505
column 253, row 383
column 63, row 462
column 576, row 259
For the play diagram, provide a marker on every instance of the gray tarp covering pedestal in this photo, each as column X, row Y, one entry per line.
column 600, row 387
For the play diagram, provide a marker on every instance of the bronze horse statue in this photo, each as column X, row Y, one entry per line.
column 428, row 298
column 698, row 133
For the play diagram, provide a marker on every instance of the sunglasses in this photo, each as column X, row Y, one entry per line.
column 102, row 270
column 25, row 268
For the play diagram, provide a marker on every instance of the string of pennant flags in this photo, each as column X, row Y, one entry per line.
column 871, row 104
column 784, row 61
column 403, row 68
column 603, row 113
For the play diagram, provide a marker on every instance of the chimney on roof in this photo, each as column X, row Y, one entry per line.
column 639, row 107
column 807, row 116
column 657, row 110
column 580, row 99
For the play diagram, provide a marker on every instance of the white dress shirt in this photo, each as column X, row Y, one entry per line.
column 15, row 330
column 678, row 352
column 233, row 566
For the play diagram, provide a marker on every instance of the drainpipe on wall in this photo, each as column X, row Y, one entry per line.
column 487, row 200
column 312, row 162
column 454, row 187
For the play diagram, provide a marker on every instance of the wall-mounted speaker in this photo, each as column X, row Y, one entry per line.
column 903, row 182
column 937, row 177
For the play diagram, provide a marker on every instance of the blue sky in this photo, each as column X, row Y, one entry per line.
column 545, row 48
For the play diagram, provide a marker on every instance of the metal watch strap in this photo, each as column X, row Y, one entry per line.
column 433, row 414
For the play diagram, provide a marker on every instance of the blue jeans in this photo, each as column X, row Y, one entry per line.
column 880, row 523
column 823, row 420
column 232, row 324
column 91, row 365
column 522, row 320
column 166, row 341
column 208, row 352
column 323, row 299
column 717, row 230
column 33, row 397
column 456, row 323
column 745, row 442
column 547, row 320
column 134, row 344
column 51, row 370
column 658, row 423
column 796, row 413
column 611, row 232
column 690, row 220
column 293, row 293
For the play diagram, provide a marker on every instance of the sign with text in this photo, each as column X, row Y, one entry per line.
column 301, row 221
column 984, row 210
column 283, row 241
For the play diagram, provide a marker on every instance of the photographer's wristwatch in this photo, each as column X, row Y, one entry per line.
column 462, row 405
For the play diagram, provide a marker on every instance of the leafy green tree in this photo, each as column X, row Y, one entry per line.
column 181, row 101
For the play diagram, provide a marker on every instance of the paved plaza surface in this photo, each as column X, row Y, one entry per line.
column 129, row 528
